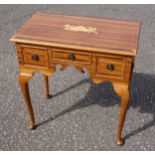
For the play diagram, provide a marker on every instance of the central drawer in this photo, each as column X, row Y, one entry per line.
column 66, row 57
column 71, row 56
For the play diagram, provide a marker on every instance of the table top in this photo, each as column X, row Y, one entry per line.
column 83, row 33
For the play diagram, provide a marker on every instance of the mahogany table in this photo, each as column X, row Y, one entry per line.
column 105, row 47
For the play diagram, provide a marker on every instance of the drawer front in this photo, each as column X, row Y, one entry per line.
column 111, row 66
column 71, row 56
column 80, row 59
column 35, row 56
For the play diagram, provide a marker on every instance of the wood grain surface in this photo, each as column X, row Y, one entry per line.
column 49, row 29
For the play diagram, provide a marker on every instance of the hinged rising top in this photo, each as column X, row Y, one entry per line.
column 100, row 35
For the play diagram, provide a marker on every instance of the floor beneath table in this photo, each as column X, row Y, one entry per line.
column 81, row 115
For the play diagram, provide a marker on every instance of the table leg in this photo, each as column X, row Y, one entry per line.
column 23, row 80
column 124, row 92
column 46, row 87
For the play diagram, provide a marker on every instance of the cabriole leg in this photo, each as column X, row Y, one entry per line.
column 123, row 91
column 23, row 81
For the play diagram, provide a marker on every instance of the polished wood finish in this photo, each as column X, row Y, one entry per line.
column 23, row 80
column 118, row 64
column 124, row 92
column 41, row 55
column 77, row 57
column 105, row 47
column 49, row 29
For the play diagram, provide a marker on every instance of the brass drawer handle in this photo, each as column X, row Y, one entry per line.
column 71, row 56
column 110, row 67
column 35, row 57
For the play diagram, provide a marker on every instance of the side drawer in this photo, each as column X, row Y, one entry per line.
column 110, row 65
column 35, row 56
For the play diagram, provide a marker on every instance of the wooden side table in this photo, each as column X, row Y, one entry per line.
column 105, row 47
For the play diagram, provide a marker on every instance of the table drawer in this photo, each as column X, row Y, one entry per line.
column 71, row 56
column 35, row 56
column 111, row 65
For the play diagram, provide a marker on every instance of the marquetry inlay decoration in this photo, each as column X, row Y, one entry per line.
column 80, row 28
